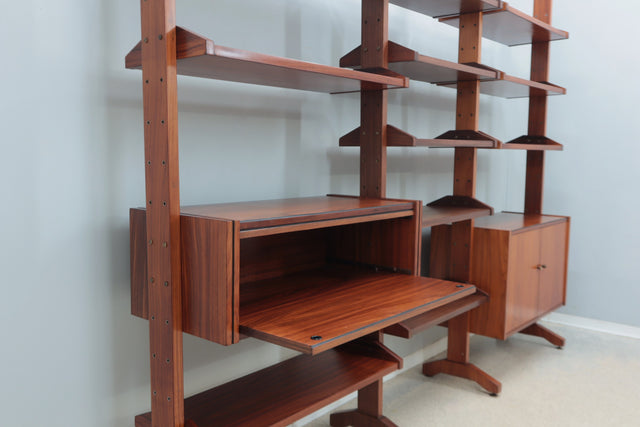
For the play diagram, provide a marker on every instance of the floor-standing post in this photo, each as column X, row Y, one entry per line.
column 538, row 127
column 373, row 175
column 465, row 166
column 163, row 210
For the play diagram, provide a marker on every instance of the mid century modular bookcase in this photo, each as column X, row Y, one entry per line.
column 327, row 275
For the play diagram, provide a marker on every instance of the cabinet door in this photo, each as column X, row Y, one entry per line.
column 522, row 282
column 553, row 255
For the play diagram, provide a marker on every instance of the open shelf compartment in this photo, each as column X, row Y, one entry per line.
column 451, row 209
column 199, row 57
column 439, row 8
column 509, row 26
column 308, row 273
column 281, row 394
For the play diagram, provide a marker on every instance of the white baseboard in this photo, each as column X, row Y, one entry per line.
column 594, row 325
column 410, row 361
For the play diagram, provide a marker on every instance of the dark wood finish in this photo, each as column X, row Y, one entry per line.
column 538, row 330
column 281, row 394
column 138, row 263
column 158, row 59
column 520, row 261
column 293, row 309
column 512, row 27
column 531, row 142
column 439, row 8
column 415, row 325
column 451, row 139
column 200, row 57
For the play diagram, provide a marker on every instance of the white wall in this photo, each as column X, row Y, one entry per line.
column 72, row 144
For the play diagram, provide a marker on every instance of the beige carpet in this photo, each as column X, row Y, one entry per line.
column 593, row 381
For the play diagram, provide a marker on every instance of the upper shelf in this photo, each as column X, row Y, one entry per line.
column 424, row 68
column 440, row 8
column 317, row 310
column 508, row 25
column 450, row 139
column 200, row 57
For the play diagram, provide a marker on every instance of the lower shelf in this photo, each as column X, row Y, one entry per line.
column 415, row 325
column 450, row 209
column 283, row 393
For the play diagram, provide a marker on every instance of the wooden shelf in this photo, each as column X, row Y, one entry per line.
column 451, row 209
column 506, row 86
column 200, row 57
column 439, row 8
column 508, row 25
column 451, row 139
column 424, row 68
column 317, row 310
column 266, row 217
column 283, row 393
column 516, row 223
column 532, row 142
column 410, row 327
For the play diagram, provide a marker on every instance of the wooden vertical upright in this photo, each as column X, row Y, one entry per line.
column 533, row 194
column 373, row 111
column 163, row 210
column 537, row 114
column 465, row 167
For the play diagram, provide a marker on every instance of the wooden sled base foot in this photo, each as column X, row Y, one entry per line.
column 463, row 370
column 540, row 331
column 359, row 419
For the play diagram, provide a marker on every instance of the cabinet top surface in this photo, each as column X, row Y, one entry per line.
column 298, row 209
column 514, row 222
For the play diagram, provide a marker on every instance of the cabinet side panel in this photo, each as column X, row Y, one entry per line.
column 440, row 252
column 523, row 281
column 553, row 260
column 138, row 258
column 490, row 269
column 209, row 293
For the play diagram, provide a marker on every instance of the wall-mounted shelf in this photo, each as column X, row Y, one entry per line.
column 424, row 68
column 439, row 8
column 200, row 57
column 532, row 142
column 508, row 25
column 283, row 393
column 506, row 86
column 450, row 139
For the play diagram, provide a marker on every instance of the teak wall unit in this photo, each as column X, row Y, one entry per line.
column 290, row 271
